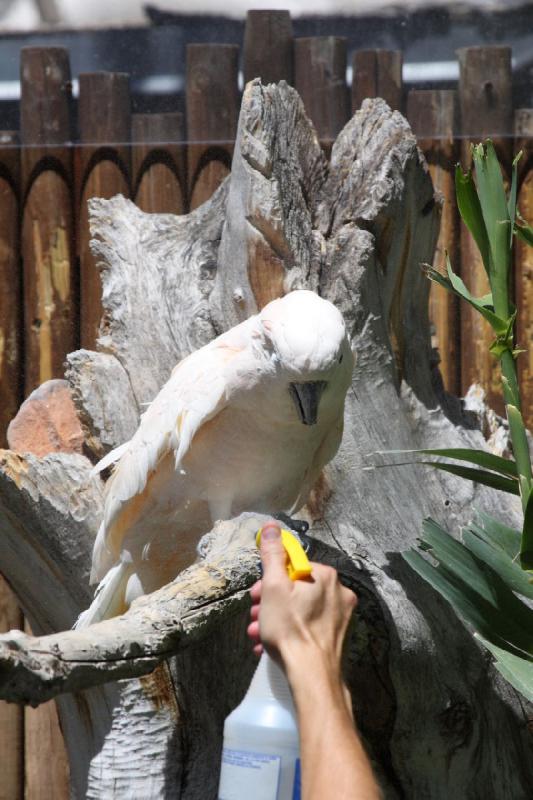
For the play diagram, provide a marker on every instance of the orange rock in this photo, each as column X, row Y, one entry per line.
column 47, row 422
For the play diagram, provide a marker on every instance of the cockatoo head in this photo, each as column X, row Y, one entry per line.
column 308, row 345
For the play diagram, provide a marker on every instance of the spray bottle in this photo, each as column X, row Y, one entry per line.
column 261, row 754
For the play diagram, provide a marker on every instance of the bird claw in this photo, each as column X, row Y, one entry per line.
column 299, row 526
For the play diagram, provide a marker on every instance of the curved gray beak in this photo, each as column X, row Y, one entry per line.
column 306, row 397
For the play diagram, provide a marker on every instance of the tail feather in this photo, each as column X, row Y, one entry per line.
column 109, row 598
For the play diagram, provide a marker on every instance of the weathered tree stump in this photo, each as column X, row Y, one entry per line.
column 143, row 696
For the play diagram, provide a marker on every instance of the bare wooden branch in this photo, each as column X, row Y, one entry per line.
column 157, row 626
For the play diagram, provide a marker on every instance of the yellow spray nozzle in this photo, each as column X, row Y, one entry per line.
column 298, row 565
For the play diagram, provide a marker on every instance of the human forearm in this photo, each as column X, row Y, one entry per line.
column 302, row 624
column 334, row 762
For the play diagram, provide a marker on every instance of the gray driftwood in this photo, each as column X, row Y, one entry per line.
column 437, row 720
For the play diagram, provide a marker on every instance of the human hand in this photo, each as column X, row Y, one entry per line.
column 298, row 620
column 302, row 624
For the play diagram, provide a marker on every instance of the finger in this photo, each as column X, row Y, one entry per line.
column 350, row 598
column 324, row 572
column 273, row 554
column 255, row 592
column 254, row 613
column 258, row 649
column 253, row 631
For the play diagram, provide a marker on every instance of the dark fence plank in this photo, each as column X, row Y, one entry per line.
column 485, row 93
column 377, row 73
column 158, row 162
column 11, row 378
column 268, row 46
column 49, row 308
column 11, row 375
column 104, row 119
column 46, row 773
column 212, row 113
column 432, row 116
column 47, row 228
column 11, row 358
column 11, row 716
column 320, row 79
column 524, row 262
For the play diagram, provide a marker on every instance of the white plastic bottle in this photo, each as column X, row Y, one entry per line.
column 261, row 753
column 261, row 756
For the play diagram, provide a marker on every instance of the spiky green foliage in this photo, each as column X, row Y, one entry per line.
column 485, row 575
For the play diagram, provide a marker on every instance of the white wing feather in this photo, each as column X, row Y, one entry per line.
column 111, row 458
column 196, row 392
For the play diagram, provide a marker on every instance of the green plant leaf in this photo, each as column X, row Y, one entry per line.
column 498, row 348
column 508, row 570
column 457, row 287
column 471, row 213
column 480, row 457
column 478, row 476
column 475, row 590
column 500, row 326
column 510, row 391
column 478, row 576
column 475, row 610
column 456, row 557
column 520, row 450
column 506, row 340
column 493, row 202
column 511, row 202
column 524, row 232
column 518, row 671
column 526, row 546
column 497, row 533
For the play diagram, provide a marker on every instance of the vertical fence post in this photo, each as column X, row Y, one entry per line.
column 268, row 46
column 485, row 94
column 432, row 116
column 49, row 312
column 320, row 79
column 524, row 263
column 46, row 772
column 11, row 376
column 377, row 73
column 11, row 364
column 212, row 113
column 158, row 162
column 11, row 715
column 104, row 119
column 47, row 227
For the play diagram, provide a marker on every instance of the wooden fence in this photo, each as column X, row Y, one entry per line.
column 49, row 288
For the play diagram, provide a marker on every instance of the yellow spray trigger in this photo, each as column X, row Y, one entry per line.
column 298, row 565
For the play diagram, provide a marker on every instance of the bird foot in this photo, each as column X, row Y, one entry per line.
column 299, row 526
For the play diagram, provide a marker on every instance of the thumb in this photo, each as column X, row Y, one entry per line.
column 273, row 554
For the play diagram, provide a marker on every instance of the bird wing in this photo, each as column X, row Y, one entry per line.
column 198, row 389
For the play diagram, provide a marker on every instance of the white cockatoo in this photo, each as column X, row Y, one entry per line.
column 246, row 423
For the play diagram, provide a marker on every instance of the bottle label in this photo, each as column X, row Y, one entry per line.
column 297, row 785
column 247, row 775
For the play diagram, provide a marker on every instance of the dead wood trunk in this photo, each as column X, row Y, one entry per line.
column 437, row 720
